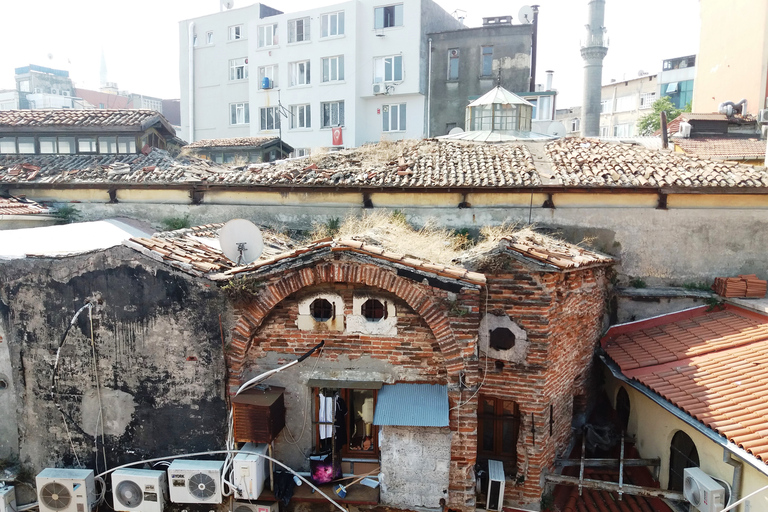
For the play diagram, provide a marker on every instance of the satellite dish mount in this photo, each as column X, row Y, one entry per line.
column 241, row 241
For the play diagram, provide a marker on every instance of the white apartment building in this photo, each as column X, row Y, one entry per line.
column 624, row 102
column 359, row 65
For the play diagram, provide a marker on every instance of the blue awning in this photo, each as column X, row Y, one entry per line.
column 412, row 405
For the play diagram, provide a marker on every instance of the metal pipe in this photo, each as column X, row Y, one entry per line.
column 429, row 91
column 191, row 92
column 535, row 9
column 738, row 469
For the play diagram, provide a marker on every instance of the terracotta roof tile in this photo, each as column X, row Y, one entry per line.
column 547, row 249
column 20, row 206
column 721, row 148
column 719, row 374
column 75, row 117
column 231, row 142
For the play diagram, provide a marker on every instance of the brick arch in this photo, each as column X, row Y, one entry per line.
column 253, row 314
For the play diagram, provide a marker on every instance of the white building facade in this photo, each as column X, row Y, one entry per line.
column 360, row 66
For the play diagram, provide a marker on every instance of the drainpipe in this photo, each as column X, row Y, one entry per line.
column 429, row 91
column 191, row 42
column 534, row 37
column 738, row 468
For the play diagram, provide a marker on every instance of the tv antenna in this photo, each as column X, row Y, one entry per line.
column 241, row 241
column 525, row 15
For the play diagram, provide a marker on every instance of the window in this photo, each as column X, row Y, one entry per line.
column 298, row 30
column 605, row 107
column 393, row 118
column 604, row 131
column 47, row 145
column 8, row 145
column 270, row 118
column 26, row 145
column 486, row 60
column 24, row 85
column 453, row 64
column 622, row 130
column 67, row 146
column 238, row 69
column 194, row 40
column 356, row 433
column 647, row 99
column 625, row 103
column 299, row 152
column 321, row 310
column 373, row 310
column 268, row 72
column 388, row 69
column 332, row 113
column 235, row 32
column 86, row 145
column 389, row 16
column 682, row 454
column 332, row 24
column 575, row 124
column 501, row 338
column 300, row 73
column 300, row 116
column 209, row 37
column 623, row 408
column 126, row 145
column 238, row 113
column 333, row 68
column 107, row 145
column 267, row 35
column 498, row 425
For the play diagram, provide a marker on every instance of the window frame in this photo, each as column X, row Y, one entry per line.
column 497, row 421
column 235, row 32
column 388, row 19
column 297, row 73
column 346, row 451
column 339, row 104
column 235, row 108
column 679, row 460
column 326, row 24
column 327, row 62
column 264, row 112
column 486, row 60
column 384, row 62
column 262, row 35
column 272, row 77
column 305, row 30
column 387, row 111
column 240, row 64
column 453, row 71
column 296, row 114
column 209, row 37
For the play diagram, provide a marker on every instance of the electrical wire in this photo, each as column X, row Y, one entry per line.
column 485, row 371
column 100, row 421
column 288, row 435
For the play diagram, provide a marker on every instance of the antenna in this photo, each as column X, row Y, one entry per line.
column 241, row 241
column 525, row 15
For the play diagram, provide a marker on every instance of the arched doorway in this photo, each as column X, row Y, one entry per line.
column 623, row 408
column 682, row 454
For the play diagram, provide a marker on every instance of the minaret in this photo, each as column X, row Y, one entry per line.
column 103, row 71
column 593, row 51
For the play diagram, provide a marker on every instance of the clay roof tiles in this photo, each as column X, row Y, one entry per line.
column 710, row 364
column 719, row 148
column 554, row 251
column 20, row 206
column 75, row 117
column 231, row 142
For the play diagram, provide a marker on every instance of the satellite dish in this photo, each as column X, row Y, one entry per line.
column 526, row 14
column 241, row 241
column 227, row 4
column 455, row 130
column 556, row 129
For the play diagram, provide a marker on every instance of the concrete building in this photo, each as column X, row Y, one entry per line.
column 623, row 103
column 358, row 67
column 467, row 63
column 733, row 57
column 676, row 80
column 43, row 87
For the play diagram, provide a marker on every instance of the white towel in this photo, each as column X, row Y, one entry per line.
column 326, row 414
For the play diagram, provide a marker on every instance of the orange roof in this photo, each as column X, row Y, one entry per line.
column 710, row 364
column 723, row 148
column 16, row 206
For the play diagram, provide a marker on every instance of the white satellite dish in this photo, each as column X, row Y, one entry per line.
column 227, row 4
column 455, row 130
column 556, row 129
column 526, row 14
column 241, row 241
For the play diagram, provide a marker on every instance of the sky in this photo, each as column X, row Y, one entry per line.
column 140, row 38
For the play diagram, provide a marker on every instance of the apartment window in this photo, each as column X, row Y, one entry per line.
column 238, row 113
column 298, row 30
column 332, row 24
column 194, row 40
column 388, row 69
column 389, row 16
column 647, row 99
column 235, row 32
column 486, row 58
column 357, row 406
column 622, row 130
column 24, row 85
column 270, row 118
column 498, row 426
column 333, row 68
column 268, row 72
column 300, row 116
column 107, row 145
column 67, row 146
column 575, row 124
column 126, row 145
column 267, row 35
column 393, row 118
column 300, row 73
column 47, row 145
column 26, row 145
column 8, row 145
column 332, row 113
column 86, row 145
column 605, row 107
column 604, row 130
column 209, row 37
column 238, row 69
column 453, row 64
column 625, row 103
column 297, row 152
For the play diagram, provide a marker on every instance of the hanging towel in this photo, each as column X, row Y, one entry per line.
column 326, row 415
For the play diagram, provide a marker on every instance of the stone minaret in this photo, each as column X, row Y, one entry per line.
column 593, row 51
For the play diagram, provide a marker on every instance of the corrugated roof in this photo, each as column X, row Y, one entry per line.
column 711, row 364
column 414, row 405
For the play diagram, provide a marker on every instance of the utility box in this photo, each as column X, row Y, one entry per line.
column 7, row 498
column 249, row 471
column 495, row 485
column 259, row 415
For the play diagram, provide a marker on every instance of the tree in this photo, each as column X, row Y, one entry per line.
column 649, row 123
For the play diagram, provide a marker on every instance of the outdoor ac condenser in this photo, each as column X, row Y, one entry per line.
column 249, row 471
column 7, row 498
column 702, row 491
column 65, row 490
column 256, row 506
column 495, row 485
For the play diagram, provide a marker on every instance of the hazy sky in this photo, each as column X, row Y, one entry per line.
column 140, row 37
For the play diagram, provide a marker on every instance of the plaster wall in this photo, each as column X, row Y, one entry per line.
column 9, row 428
column 653, row 429
column 415, row 462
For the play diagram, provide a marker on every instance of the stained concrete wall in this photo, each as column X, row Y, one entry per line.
column 415, row 463
column 155, row 370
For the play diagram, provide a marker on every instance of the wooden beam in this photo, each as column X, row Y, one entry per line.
column 602, row 485
column 607, row 463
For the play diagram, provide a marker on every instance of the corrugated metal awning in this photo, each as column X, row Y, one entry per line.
column 412, row 405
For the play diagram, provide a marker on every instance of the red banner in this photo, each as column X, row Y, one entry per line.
column 336, row 133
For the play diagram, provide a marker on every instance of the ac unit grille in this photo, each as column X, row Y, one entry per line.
column 692, row 490
column 129, row 494
column 55, row 496
column 201, row 486
column 243, row 508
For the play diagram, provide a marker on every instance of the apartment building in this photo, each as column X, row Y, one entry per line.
column 334, row 76
column 623, row 103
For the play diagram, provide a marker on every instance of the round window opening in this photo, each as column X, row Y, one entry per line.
column 501, row 338
column 373, row 310
column 321, row 310
column 3, row 384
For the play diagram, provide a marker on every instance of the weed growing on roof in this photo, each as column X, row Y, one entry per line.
column 67, row 214
column 702, row 286
column 328, row 229
column 714, row 303
column 242, row 289
column 174, row 223
column 637, row 283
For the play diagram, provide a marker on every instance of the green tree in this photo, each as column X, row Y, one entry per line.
column 651, row 122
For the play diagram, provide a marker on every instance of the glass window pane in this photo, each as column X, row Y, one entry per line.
column 126, row 145
column 341, row 113
column 398, row 67
column 341, row 67
column 398, row 15
column 334, row 25
column 489, row 406
column 86, row 145
column 107, row 145
column 340, row 29
column 385, row 122
column 393, row 117
column 487, row 435
column 26, row 145
column 402, row 116
column 67, row 145
column 47, row 145
column 508, row 437
column 326, row 70
column 361, row 408
column 7, row 144
column 378, row 18
column 307, row 117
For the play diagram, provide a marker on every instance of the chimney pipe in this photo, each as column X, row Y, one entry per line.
column 535, row 9
column 550, row 73
column 593, row 52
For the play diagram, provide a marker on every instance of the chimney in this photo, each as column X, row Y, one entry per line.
column 550, row 74
column 593, row 51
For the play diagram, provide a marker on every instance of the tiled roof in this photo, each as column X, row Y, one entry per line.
column 580, row 162
column 703, row 116
column 553, row 251
column 231, row 142
column 719, row 148
column 75, row 117
column 710, row 364
column 20, row 206
column 592, row 500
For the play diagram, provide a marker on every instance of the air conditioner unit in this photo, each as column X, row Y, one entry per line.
column 7, row 498
column 244, row 506
column 66, row 490
column 496, row 481
column 702, row 491
column 762, row 116
column 195, row 481
column 249, row 471
column 143, row 490
column 379, row 89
